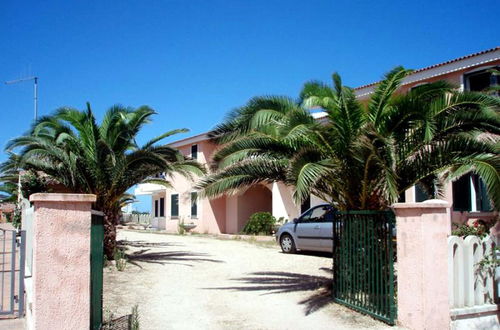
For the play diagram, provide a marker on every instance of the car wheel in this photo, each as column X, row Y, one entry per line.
column 287, row 244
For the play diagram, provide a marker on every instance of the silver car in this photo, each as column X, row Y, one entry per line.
column 311, row 231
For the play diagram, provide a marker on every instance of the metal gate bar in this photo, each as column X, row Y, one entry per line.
column 12, row 298
column 364, row 262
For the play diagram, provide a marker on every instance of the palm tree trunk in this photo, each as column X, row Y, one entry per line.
column 111, row 218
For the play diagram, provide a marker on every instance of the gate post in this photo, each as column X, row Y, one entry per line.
column 422, row 266
column 61, row 261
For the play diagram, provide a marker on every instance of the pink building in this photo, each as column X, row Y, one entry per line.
column 229, row 214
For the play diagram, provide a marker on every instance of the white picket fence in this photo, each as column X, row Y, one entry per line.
column 144, row 219
column 470, row 284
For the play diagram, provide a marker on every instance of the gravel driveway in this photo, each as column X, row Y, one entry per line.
column 196, row 282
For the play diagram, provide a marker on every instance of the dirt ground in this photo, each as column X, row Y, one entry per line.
column 196, row 282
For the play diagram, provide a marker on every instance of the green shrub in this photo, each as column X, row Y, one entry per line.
column 479, row 228
column 260, row 223
column 120, row 259
column 134, row 318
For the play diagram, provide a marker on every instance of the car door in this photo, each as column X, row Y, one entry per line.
column 326, row 231
column 308, row 229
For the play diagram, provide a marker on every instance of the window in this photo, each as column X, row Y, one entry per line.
column 174, row 205
column 318, row 214
column 194, row 151
column 156, row 208
column 194, row 205
column 481, row 80
column 162, row 207
column 420, row 193
column 470, row 194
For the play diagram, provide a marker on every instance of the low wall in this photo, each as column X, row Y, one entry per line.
column 473, row 297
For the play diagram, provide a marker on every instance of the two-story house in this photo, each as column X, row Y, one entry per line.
column 229, row 214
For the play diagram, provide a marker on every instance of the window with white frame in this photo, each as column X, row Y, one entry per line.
column 174, row 205
column 470, row 194
column 469, row 191
column 482, row 80
column 194, row 205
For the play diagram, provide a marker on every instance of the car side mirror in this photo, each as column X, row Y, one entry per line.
column 295, row 220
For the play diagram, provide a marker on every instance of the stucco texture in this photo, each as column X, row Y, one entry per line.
column 61, row 264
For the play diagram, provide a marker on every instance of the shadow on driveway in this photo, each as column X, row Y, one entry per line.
column 184, row 258
column 282, row 282
column 145, row 244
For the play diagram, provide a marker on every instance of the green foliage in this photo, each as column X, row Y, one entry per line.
column 16, row 218
column 104, row 159
column 120, row 259
column 180, row 227
column 32, row 183
column 134, row 318
column 465, row 230
column 260, row 223
column 364, row 154
column 490, row 262
column 478, row 228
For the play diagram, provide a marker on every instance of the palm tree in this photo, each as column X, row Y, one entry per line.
column 104, row 159
column 363, row 155
column 9, row 179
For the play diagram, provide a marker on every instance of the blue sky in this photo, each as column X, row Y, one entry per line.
column 193, row 61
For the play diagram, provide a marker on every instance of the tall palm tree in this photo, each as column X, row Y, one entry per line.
column 104, row 159
column 363, row 155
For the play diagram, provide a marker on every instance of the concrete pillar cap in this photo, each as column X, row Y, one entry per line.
column 428, row 204
column 73, row 198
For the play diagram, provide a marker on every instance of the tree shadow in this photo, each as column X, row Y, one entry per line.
column 185, row 258
column 282, row 282
column 318, row 254
column 145, row 244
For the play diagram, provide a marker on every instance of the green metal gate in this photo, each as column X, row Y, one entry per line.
column 364, row 254
column 96, row 266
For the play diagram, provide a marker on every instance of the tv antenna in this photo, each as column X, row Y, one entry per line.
column 35, row 98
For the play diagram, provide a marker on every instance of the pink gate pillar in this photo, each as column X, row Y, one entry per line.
column 61, row 261
column 422, row 265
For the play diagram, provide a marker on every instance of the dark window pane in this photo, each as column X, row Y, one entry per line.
column 402, row 197
column 194, row 151
column 420, row 193
column 461, row 194
column 162, row 207
column 479, row 81
column 194, row 205
column 156, row 208
column 306, row 205
column 174, row 202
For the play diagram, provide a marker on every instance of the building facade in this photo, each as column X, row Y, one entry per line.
column 229, row 214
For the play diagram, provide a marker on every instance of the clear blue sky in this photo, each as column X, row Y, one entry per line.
column 194, row 60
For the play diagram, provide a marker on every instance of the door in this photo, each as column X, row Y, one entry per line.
column 308, row 229
column 327, row 231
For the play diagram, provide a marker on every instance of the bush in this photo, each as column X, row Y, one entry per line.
column 120, row 259
column 478, row 228
column 260, row 223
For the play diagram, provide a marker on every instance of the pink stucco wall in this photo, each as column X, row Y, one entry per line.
column 422, row 267
column 255, row 199
column 211, row 216
column 61, row 261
